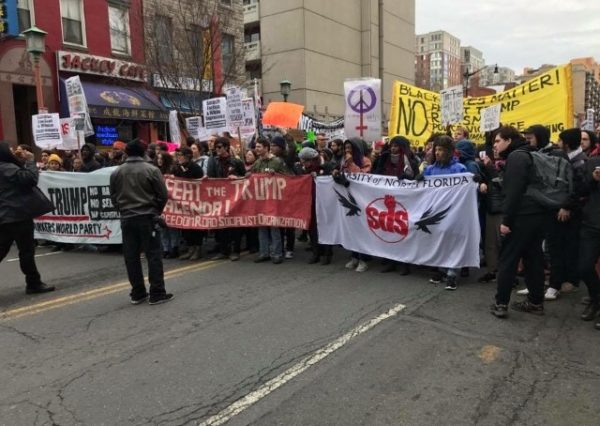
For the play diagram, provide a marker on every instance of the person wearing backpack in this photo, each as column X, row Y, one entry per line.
column 563, row 236
column 523, row 226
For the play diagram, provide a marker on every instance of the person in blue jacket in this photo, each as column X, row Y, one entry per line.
column 446, row 163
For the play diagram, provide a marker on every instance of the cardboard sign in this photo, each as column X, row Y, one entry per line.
column 193, row 125
column 452, row 105
column 248, row 129
column 363, row 108
column 235, row 113
column 46, row 130
column 490, row 118
column 215, row 114
column 283, row 114
column 78, row 107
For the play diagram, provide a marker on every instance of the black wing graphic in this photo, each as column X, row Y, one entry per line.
column 428, row 220
column 349, row 203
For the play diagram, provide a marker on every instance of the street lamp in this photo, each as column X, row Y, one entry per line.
column 35, row 39
column 467, row 75
column 285, row 87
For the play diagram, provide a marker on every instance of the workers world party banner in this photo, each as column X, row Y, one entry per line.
column 259, row 200
column 84, row 213
column 431, row 222
column 547, row 99
column 362, row 118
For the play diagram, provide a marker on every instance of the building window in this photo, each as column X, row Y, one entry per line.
column 227, row 52
column 72, row 22
column 226, row 2
column 164, row 40
column 118, row 20
column 24, row 9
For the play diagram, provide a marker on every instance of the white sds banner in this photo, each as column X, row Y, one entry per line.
column 431, row 222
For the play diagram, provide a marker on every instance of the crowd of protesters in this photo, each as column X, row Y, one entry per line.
column 558, row 247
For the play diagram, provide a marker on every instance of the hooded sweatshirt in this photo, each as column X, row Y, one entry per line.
column 466, row 150
column 360, row 164
column 89, row 165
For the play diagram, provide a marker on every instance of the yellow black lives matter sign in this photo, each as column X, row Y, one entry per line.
column 547, row 100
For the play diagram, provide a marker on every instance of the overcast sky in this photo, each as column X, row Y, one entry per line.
column 517, row 33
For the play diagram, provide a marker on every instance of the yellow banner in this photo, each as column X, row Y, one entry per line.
column 416, row 113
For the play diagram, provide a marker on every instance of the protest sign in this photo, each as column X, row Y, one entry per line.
column 215, row 114
column 283, row 114
column 78, row 107
column 546, row 99
column 490, row 118
column 69, row 134
column 174, row 127
column 248, row 128
column 260, row 200
column 235, row 113
column 84, row 213
column 589, row 123
column 194, row 127
column 452, row 105
column 46, row 130
column 362, row 118
column 430, row 222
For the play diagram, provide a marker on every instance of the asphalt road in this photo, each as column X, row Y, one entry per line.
column 289, row 344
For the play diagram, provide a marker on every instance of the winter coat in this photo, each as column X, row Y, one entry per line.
column 451, row 168
column 591, row 210
column 223, row 167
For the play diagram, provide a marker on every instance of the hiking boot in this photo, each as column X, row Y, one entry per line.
column 551, row 294
column 38, row 289
column 487, row 278
column 160, row 298
column 352, row 263
column 499, row 311
column 590, row 312
column 451, row 283
column 362, row 266
column 528, row 307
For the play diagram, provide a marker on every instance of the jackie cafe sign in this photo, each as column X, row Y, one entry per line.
column 88, row 64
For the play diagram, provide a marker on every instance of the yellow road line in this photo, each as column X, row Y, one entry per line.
column 93, row 294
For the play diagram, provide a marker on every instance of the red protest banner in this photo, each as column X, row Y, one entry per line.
column 259, row 200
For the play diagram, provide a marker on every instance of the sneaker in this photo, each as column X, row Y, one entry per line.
column 289, row 254
column 437, row 278
column 551, row 294
column 362, row 266
column 590, row 312
column 161, row 298
column 277, row 260
column 234, row 257
column 219, row 256
column 528, row 307
column 586, row 300
column 487, row 278
column 568, row 288
column 523, row 292
column 499, row 311
column 450, row 283
column 352, row 264
column 38, row 289
column 138, row 300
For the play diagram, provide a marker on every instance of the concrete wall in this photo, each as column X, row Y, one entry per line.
column 318, row 44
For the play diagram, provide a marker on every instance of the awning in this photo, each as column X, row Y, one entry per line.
column 118, row 102
column 184, row 102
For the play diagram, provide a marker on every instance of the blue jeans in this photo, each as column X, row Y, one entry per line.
column 272, row 236
column 170, row 239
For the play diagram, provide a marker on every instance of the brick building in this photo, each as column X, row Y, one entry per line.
column 438, row 61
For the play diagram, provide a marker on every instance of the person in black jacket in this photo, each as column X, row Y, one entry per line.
column 138, row 191
column 589, row 243
column 185, row 167
column 88, row 158
column 523, row 227
column 224, row 165
column 17, row 183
